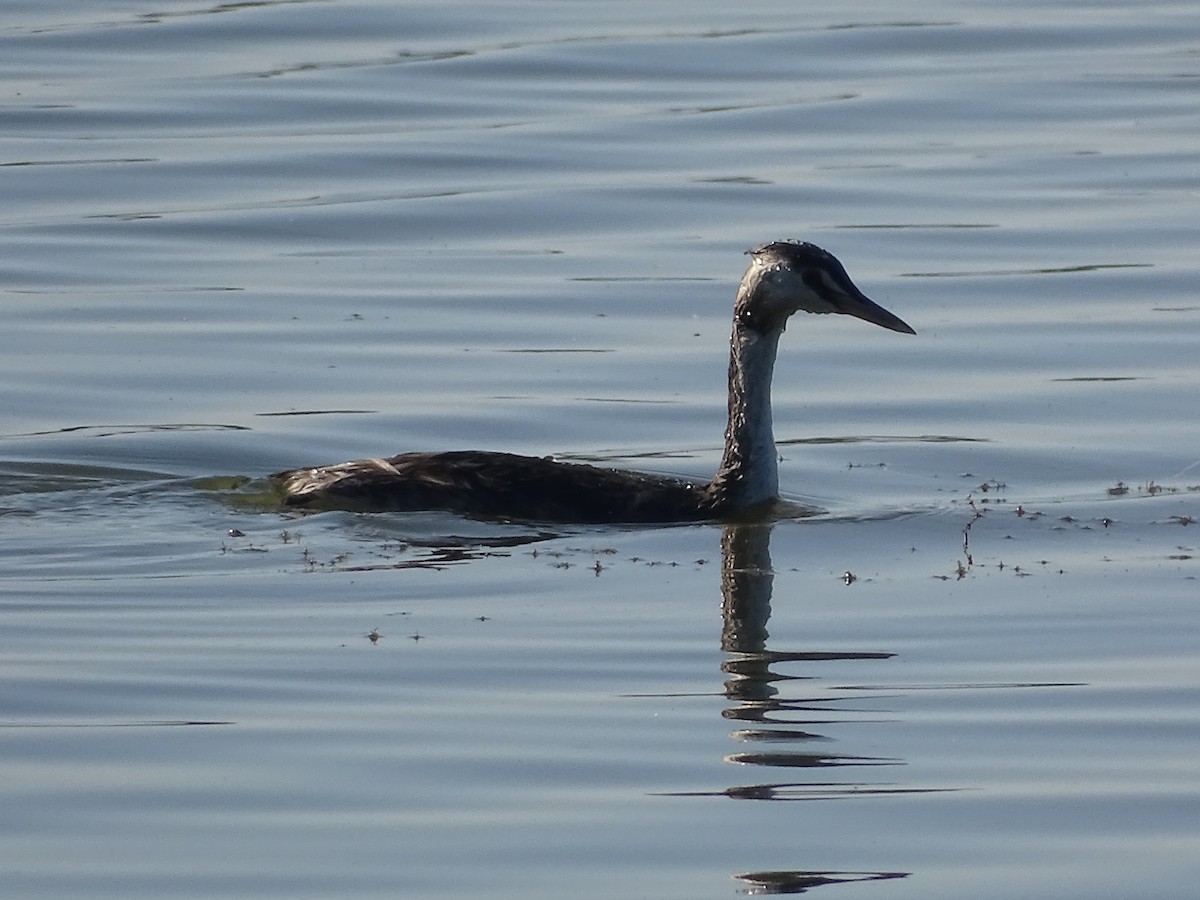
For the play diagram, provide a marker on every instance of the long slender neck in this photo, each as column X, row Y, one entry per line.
column 749, row 473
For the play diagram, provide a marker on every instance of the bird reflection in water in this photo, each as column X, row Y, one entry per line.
column 747, row 582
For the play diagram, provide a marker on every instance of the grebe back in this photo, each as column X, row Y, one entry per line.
column 784, row 277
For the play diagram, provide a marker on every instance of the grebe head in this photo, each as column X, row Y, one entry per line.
column 789, row 276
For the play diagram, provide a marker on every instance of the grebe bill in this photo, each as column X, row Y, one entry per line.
column 784, row 277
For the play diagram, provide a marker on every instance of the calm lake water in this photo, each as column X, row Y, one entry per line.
column 240, row 237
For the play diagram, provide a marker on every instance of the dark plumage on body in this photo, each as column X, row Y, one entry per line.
column 784, row 277
column 497, row 486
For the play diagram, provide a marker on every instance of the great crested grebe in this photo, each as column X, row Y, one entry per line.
column 784, row 277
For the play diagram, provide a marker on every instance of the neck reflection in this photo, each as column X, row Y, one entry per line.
column 770, row 716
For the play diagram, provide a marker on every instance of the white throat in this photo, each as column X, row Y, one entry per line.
column 749, row 473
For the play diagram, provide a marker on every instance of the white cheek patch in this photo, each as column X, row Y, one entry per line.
column 789, row 289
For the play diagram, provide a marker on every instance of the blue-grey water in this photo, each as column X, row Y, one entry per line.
column 239, row 237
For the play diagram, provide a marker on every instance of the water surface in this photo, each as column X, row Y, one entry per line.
column 243, row 237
